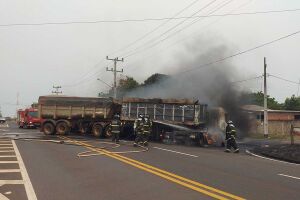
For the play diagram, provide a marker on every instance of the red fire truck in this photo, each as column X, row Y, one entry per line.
column 28, row 118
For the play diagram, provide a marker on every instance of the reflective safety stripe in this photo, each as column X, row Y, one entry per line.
column 114, row 125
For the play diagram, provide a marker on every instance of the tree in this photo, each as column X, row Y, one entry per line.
column 155, row 78
column 292, row 103
column 257, row 98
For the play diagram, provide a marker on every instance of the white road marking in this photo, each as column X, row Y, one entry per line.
column 11, row 182
column 8, row 192
column 6, row 148
column 28, row 185
column 7, row 151
column 8, row 162
column 9, row 170
column 247, row 151
column 6, row 145
column 186, row 154
column 2, row 197
column 294, row 177
column 8, row 156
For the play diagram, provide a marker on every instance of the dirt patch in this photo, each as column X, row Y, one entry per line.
column 286, row 152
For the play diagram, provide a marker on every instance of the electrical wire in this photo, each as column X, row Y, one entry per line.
column 141, row 49
column 245, row 80
column 146, row 19
column 240, row 53
column 155, row 29
column 286, row 80
column 220, row 6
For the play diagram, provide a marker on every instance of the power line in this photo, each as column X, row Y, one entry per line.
column 214, row 22
column 142, row 37
column 147, row 19
column 245, row 80
column 241, row 52
column 283, row 79
column 136, row 51
column 156, row 28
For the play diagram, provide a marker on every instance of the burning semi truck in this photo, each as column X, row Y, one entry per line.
column 173, row 119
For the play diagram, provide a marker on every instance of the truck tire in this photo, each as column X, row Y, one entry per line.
column 97, row 130
column 62, row 128
column 107, row 132
column 48, row 128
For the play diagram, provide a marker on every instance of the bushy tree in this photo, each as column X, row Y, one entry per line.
column 292, row 103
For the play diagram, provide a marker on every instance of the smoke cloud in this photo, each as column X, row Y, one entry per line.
column 211, row 85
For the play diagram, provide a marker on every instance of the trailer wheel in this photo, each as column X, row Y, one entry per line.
column 97, row 130
column 107, row 132
column 62, row 128
column 48, row 128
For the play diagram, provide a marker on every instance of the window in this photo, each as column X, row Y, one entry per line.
column 297, row 117
column 33, row 114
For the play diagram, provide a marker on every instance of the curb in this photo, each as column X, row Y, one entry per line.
column 253, row 154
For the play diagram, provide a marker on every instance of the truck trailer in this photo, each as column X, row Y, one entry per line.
column 179, row 119
column 63, row 114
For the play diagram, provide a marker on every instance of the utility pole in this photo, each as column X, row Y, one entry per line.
column 115, row 71
column 56, row 90
column 266, row 134
column 298, row 88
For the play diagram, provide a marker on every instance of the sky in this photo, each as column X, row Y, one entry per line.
column 35, row 58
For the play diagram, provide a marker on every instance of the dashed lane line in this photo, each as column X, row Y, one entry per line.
column 177, row 152
column 27, row 183
column 294, row 177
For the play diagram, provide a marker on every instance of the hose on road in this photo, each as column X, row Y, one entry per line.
column 58, row 140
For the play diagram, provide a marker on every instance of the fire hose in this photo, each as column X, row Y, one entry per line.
column 88, row 153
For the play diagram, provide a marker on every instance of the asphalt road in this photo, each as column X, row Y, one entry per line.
column 53, row 170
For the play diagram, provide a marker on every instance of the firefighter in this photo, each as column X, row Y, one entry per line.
column 147, row 130
column 115, row 128
column 138, row 130
column 230, row 138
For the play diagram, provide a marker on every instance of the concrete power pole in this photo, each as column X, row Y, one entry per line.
column 266, row 134
column 57, row 90
column 298, row 88
column 115, row 71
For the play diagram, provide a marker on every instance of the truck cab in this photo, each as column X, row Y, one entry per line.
column 28, row 118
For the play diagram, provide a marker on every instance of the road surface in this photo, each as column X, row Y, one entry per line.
column 46, row 168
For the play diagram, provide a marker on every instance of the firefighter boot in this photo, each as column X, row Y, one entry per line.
column 227, row 151
column 236, row 151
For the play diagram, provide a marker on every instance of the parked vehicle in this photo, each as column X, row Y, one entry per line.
column 28, row 118
column 2, row 120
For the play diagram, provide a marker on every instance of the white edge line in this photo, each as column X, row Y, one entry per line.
column 289, row 176
column 176, row 152
column 247, row 151
column 28, row 185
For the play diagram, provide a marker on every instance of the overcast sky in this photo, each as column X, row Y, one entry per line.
column 34, row 58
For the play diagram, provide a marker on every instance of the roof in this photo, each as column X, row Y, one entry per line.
column 256, row 108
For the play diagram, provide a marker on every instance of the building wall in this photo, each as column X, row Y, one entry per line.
column 278, row 127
